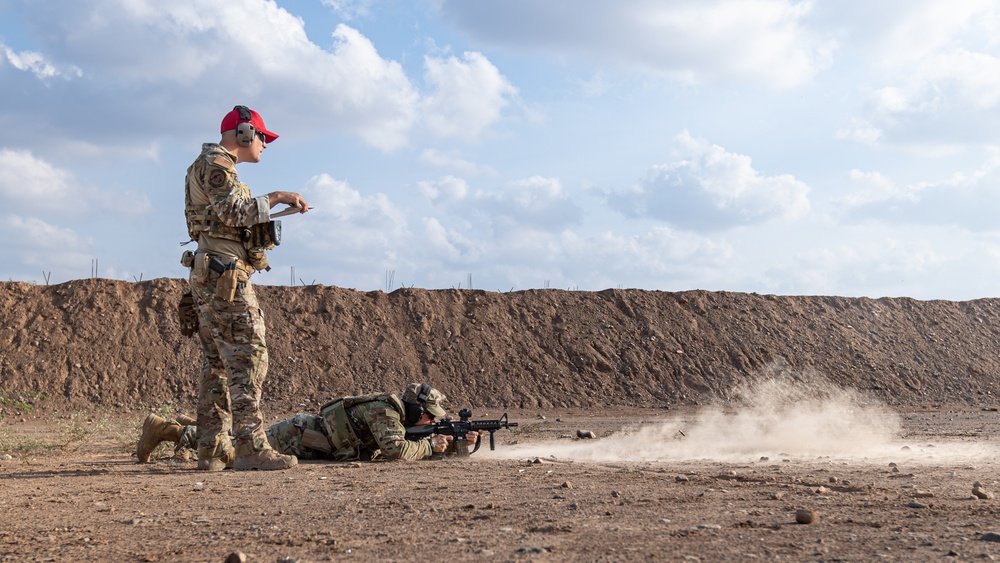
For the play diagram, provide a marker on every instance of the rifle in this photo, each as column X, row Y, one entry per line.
column 458, row 429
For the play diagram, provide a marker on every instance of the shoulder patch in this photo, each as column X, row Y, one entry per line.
column 218, row 177
column 223, row 162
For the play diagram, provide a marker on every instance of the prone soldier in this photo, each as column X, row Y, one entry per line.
column 365, row 427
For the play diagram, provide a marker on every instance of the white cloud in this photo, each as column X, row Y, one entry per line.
column 36, row 186
column 535, row 203
column 966, row 201
column 935, row 70
column 254, row 50
column 348, row 226
column 453, row 161
column 38, row 64
column 350, row 9
column 446, row 191
column 449, row 247
column 870, row 267
column 538, row 202
column 251, row 49
column 467, row 96
column 860, row 131
column 767, row 40
column 709, row 188
column 44, row 245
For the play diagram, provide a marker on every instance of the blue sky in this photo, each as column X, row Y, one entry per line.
column 773, row 146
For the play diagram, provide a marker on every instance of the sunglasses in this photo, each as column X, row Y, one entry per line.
column 261, row 137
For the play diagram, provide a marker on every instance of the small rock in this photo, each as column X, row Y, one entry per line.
column 236, row 557
column 682, row 478
column 923, row 494
column 585, row 434
column 915, row 504
column 990, row 536
column 776, row 496
column 979, row 492
column 5, row 457
column 566, row 485
column 615, row 494
column 805, row 516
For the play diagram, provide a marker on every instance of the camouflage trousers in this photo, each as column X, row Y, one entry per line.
column 286, row 435
column 234, row 366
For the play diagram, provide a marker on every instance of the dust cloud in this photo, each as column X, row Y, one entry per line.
column 779, row 419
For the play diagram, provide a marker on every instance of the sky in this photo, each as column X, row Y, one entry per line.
column 846, row 148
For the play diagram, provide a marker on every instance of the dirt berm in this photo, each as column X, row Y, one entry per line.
column 99, row 342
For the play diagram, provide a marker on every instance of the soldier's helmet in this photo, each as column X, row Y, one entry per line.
column 427, row 397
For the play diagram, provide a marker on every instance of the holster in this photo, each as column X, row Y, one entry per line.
column 231, row 276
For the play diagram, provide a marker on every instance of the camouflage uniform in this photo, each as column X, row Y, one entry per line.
column 367, row 427
column 218, row 208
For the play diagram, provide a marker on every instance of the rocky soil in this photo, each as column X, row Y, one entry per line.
column 112, row 343
column 719, row 421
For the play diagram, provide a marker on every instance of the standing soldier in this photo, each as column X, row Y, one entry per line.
column 233, row 230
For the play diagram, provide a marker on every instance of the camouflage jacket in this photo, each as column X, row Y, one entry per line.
column 357, row 428
column 218, row 206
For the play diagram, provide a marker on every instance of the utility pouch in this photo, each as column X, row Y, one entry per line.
column 188, row 315
column 258, row 259
column 265, row 235
column 200, row 268
column 187, row 259
column 315, row 440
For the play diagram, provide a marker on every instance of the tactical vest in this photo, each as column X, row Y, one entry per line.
column 202, row 218
column 337, row 422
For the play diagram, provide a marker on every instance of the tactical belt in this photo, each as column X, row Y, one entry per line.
column 220, row 267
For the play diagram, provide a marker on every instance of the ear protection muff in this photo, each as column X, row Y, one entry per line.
column 416, row 410
column 245, row 130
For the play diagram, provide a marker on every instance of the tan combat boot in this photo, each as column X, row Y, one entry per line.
column 185, row 420
column 218, row 458
column 264, row 460
column 156, row 429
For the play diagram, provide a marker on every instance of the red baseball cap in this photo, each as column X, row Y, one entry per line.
column 243, row 114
